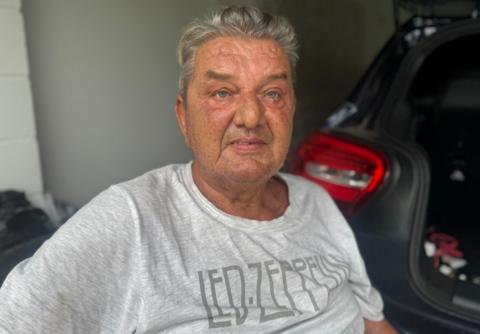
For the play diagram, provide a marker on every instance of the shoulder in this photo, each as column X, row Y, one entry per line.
column 304, row 190
column 161, row 177
column 313, row 200
column 114, row 211
column 154, row 184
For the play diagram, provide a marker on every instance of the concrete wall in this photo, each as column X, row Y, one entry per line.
column 19, row 157
column 104, row 77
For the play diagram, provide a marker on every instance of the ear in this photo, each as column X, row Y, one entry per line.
column 180, row 112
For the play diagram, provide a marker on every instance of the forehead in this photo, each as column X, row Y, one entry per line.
column 240, row 55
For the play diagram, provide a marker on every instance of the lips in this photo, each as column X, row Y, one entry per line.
column 247, row 141
column 247, row 144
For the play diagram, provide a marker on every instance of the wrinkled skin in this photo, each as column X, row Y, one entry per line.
column 238, row 119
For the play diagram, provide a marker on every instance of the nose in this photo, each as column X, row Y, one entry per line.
column 251, row 113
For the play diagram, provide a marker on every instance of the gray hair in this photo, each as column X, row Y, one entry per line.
column 233, row 21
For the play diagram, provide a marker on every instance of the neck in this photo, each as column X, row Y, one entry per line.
column 265, row 200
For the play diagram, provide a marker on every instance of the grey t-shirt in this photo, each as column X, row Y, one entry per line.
column 153, row 255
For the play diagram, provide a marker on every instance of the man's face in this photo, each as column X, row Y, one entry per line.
column 238, row 113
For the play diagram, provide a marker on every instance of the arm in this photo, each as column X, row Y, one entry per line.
column 379, row 327
column 78, row 281
column 368, row 299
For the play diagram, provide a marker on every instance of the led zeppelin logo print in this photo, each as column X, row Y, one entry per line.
column 269, row 290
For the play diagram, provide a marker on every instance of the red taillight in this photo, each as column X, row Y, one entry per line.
column 349, row 171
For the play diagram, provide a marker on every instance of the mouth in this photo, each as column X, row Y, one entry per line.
column 247, row 144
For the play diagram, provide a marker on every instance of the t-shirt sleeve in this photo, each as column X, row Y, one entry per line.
column 367, row 297
column 82, row 279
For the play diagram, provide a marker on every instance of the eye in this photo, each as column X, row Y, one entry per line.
column 273, row 94
column 221, row 94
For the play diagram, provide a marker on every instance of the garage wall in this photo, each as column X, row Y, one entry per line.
column 19, row 156
column 104, row 77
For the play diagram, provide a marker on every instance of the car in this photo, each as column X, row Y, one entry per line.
column 400, row 158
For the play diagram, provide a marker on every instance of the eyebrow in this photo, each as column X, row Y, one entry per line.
column 218, row 76
column 278, row 76
column 224, row 76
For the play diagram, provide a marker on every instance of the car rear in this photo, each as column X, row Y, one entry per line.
column 402, row 167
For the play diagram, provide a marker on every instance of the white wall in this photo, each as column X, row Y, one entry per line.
column 19, row 156
column 104, row 77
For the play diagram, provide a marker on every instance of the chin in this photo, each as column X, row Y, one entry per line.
column 252, row 175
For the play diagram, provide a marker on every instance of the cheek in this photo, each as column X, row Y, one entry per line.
column 281, row 124
column 281, row 127
column 209, row 124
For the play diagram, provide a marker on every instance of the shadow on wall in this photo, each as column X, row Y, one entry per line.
column 332, row 42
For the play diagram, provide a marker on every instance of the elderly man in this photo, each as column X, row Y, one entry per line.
column 222, row 244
